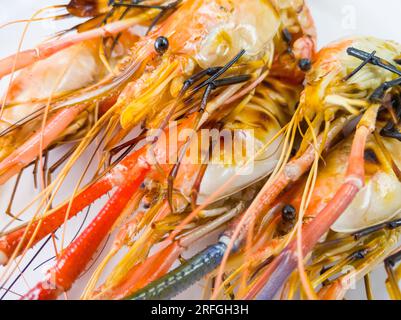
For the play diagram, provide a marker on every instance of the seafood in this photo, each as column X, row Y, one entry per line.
column 264, row 105
column 77, row 63
column 106, row 89
column 364, row 235
column 319, row 197
column 225, row 52
column 354, row 191
column 335, row 72
column 71, row 86
column 209, row 259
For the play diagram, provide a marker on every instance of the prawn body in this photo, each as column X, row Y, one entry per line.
column 202, row 75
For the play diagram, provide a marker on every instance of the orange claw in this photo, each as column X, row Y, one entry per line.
column 51, row 222
column 73, row 260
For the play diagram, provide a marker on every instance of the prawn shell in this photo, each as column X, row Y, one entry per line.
column 378, row 201
column 252, row 125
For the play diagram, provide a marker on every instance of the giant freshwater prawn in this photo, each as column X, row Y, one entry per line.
column 141, row 82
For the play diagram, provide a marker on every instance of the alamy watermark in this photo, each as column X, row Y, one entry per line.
column 349, row 14
column 231, row 147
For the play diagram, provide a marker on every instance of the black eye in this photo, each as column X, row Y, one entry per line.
column 161, row 45
column 305, row 64
column 288, row 213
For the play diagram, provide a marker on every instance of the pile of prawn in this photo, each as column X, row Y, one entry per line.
column 203, row 122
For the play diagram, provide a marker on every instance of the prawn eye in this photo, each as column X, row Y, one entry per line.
column 288, row 213
column 305, row 64
column 161, row 45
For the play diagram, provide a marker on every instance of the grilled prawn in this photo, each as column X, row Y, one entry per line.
column 348, row 199
column 221, row 56
column 351, row 78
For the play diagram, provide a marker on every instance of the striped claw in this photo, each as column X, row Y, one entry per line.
column 183, row 277
column 73, row 260
column 22, row 236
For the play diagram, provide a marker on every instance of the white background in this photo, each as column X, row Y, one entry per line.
column 334, row 19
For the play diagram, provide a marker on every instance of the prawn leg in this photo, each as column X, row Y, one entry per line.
column 371, row 58
column 378, row 94
column 391, row 225
column 163, row 9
